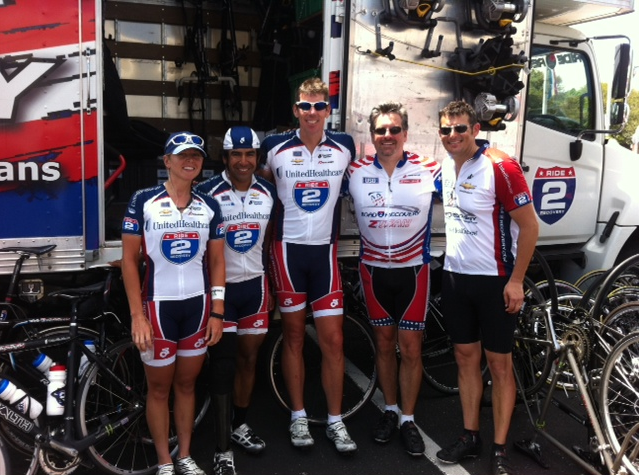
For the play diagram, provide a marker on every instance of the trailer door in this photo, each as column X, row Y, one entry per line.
column 49, row 174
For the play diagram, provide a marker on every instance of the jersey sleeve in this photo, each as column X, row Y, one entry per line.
column 510, row 184
column 133, row 222
column 216, row 226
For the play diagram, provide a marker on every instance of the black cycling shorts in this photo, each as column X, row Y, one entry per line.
column 474, row 310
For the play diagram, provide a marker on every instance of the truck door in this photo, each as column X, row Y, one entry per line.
column 48, row 128
column 563, row 100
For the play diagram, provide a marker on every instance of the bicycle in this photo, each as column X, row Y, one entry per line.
column 96, row 321
column 58, row 443
column 582, row 353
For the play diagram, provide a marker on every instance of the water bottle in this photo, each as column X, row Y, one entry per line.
column 56, row 389
column 84, row 361
column 43, row 363
column 148, row 354
column 19, row 400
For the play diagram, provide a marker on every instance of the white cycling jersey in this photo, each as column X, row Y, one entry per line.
column 308, row 185
column 481, row 237
column 245, row 222
column 394, row 213
column 174, row 242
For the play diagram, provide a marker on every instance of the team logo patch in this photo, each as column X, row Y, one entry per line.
column 130, row 224
column 180, row 248
column 377, row 199
column 553, row 192
column 370, row 180
column 311, row 195
column 242, row 237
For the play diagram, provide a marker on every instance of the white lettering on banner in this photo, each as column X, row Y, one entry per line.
column 30, row 171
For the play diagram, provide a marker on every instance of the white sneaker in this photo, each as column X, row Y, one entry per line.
column 339, row 435
column 166, row 469
column 187, row 466
column 300, row 436
column 246, row 438
column 224, row 464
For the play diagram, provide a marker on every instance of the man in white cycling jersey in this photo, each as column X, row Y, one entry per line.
column 307, row 165
column 246, row 202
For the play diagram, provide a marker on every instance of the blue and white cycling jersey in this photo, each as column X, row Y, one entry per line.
column 245, row 220
column 174, row 242
column 308, row 185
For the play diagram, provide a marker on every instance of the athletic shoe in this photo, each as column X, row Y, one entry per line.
column 499, row 464
column 166, row 469
column 464, row 447
column 339, row 435
column 246, row 438
column 223, row 463
column 187, row 466
column 385, row 427
column 300, row 436
column 412, row 439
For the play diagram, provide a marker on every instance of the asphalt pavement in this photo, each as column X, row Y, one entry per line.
column 437, row 415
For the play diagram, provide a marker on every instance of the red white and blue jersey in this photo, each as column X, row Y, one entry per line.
column 245, row 222
column 308, row 185
column 174, row 243
column 481, row 237
column 394, row 213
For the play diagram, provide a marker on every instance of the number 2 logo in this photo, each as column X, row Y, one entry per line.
column 553, row 192
column 311, row 195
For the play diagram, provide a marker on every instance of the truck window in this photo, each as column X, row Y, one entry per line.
column 560, row 94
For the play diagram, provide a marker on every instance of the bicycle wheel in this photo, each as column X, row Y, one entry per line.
column 584, row 282
column 619, row 399
column 532, row 351
column 128, row 450
column 438, row 354
column 360, row 372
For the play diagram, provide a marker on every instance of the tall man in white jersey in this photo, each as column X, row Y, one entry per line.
column 491, row 233
column 307, row 165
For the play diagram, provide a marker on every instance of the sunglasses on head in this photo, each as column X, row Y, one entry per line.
column 306, row 106
column 393, row 130
column 187, row 138
column 459, row 129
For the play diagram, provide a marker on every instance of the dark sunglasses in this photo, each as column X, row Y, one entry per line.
column 393, row 130
column 459, row 129
column 306, row 106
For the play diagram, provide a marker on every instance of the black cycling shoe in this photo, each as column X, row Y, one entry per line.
column 466, row 446
column 499, row 464
column 412, row 439
column 385, row 427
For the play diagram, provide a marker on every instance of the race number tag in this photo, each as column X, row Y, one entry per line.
column 311, row 195
column 553, row 192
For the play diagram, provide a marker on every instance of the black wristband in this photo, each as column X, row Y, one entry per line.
column 216, row 315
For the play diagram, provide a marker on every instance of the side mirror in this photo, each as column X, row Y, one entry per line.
column 620, row 84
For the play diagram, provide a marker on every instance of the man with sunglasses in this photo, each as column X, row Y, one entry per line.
column 307, row 166
column 246, row 202
column 393, row 196
column 491, row 233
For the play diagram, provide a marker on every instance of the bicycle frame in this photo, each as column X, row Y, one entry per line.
column 567, row 355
